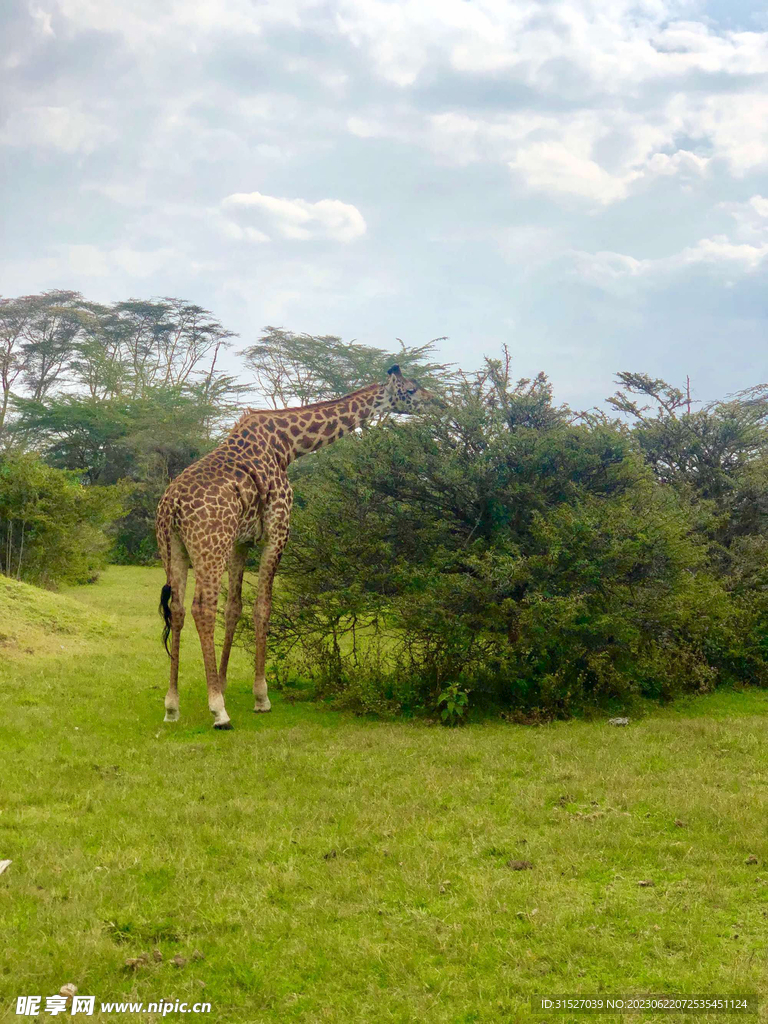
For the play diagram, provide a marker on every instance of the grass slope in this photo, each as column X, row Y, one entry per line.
column 332, row 869
column 39, row 623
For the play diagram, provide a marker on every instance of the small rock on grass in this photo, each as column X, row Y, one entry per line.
column 4, row 864
column 179, row 961
column 618, row 721
column 646, row 883
column 520, row 865
column 751, row 859
column 68, row 991
column 157, row 956
column 134, row 962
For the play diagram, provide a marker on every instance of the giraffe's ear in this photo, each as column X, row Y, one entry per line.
column 394, row 370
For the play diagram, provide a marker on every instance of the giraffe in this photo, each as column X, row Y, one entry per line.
column 220, row 505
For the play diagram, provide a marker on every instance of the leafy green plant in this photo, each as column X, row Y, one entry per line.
column 53, row 528
column 453, row 703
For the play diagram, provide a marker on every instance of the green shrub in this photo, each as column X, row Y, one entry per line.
column 53, row 528
column 506, row 551
column 452, row 704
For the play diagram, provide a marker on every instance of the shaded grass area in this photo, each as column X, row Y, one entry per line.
column 337, row 869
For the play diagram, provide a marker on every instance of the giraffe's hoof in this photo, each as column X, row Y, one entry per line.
column 223, row 725
column 263, row 710
column 171, row 716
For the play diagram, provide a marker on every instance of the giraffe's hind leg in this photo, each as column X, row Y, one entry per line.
column 176, row 572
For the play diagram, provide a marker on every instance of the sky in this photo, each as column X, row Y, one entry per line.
column 581, row 180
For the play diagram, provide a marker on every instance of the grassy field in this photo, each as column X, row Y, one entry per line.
column 333, row 869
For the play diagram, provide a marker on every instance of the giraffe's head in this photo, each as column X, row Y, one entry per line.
column 404, row 395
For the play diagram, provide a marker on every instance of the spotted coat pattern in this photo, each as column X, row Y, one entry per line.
column 238, row 494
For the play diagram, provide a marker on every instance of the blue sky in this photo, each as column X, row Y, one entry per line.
column 583, row 180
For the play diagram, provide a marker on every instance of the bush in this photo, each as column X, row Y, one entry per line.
column 506, row 552
column 53, row 528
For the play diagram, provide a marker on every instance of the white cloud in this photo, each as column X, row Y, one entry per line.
column 589, row 155
column 720, row 249
column 142, row 263
column 324, row 287
column 613, row 42
column 85, row 266
column 294, row 219
column 600, row 54
column 682, row 163
column 143, row 23
column 128, row 192
column 397, row 37
column 86, row 261
column 734, row 124
column 743, row 251
column 42, row 20
column 608, row 270
column 233, row 232
column 751, row 217
column 68, row 129
column 528, row 247
column 555, row 167
column 365, row 128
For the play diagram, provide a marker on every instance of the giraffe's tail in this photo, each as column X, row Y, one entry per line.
column 164, row 544
column 165, row 611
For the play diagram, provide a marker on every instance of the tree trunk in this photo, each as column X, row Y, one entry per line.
column 21, row 549
column 8, row 548
column 4, row 408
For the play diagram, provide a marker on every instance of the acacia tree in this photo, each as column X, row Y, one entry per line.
column 292, row 369
column 58, row 341
column 127, row 391
column 49, row 340
column 705, row 449
column 168, row 342
column 14, row 316
column 37, row 340
column 99, row 365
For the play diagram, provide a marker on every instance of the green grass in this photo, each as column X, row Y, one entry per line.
column 333, row 869
column 37, row 622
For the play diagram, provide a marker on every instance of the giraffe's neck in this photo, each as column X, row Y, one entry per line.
column 296, row 432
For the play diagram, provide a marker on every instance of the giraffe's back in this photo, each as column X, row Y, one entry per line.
column 212, row 504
